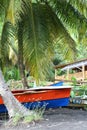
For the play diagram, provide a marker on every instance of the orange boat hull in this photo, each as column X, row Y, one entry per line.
column 52, row 97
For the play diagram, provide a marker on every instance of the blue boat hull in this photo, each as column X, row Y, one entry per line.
column 47, row 104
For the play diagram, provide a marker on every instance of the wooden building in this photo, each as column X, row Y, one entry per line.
column 79, row 70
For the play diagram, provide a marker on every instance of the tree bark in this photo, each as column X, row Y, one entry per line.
column 12, row 104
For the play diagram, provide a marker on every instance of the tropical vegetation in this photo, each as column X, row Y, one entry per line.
column 32, row 32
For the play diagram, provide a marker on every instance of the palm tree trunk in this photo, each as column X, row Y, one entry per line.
column 12, row 104
column 20, row 55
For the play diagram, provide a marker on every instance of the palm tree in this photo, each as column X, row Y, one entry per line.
column 46, row 22
column 9, row 37
column 41, row 27
column 41, row 24
column 6, row 36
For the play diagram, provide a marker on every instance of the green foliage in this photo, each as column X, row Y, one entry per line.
column 80, row 5
column 12, row 73
column 38, row 45
column 60, row 72
column 82, row 50
column 56, row 60
column 46, row 24
column 7, row 33
column 33, row 117
column 28, row 119
column 72, row 94
column 79, row 91
column 74, row 81
column 36, row 115
column 16, row 119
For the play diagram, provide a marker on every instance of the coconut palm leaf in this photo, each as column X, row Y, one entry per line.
column 3, row 6
column 64, row 39
column 70, row 16
column 7, row 32
column 41, row 28
column 10, row 12
column 37, row 44
column 80, row 5
column 42, row 24
column 20, row 54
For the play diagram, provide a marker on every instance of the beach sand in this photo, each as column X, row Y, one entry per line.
column 56, row 119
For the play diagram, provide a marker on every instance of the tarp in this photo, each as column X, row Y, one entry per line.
column 57, row 84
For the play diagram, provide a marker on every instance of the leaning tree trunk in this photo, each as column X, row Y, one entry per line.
column 20, row 54
column 12, row 104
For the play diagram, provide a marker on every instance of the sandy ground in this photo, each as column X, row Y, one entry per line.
column 58, row 119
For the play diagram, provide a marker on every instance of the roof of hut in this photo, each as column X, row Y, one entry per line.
column 72, row 65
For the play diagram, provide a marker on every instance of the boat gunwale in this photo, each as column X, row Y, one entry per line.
column 50, row 87
column 39, row 90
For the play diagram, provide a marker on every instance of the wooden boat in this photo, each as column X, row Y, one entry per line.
column 53, row 96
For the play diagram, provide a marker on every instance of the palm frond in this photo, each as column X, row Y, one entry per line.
column 7, row 33
column 37, row 38
column 67, row 49
column 10, row 12
column 70, row 17
column 80, row 5
column 12, row 55
column 64, row 38
column 42, row 28
column 4, row 5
